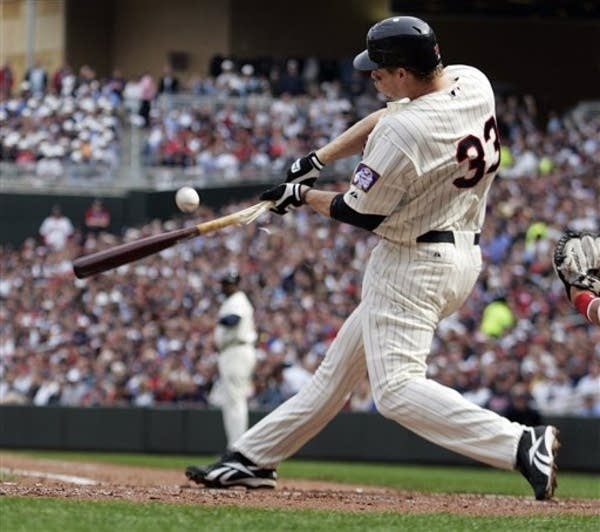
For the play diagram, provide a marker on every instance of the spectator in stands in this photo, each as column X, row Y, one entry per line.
column 268, row 393
column 587, row 391
column 290, row 81
column 56, row 229
column 7, row 81
column 228, row 81
column 168, row 83
column 58, row 78
column 86, row 76
column 147, row 93
column 250, row 83
column 554, row 394
column 590, row 406
column 132, row 100
column 311, row 71
column 497, row 317
column 202, row 86
column 116, row 83
column 499, row 400
column 520, row 409
column 37, row 78
column 96, row 219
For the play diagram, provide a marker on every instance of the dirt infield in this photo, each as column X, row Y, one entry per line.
column 31, row 477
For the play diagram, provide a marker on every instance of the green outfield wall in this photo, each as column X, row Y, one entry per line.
column 350, row 436
column 22, row 213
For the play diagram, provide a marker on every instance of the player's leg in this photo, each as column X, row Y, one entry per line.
column 404, row 308
column 287, row 428
column 235, row 370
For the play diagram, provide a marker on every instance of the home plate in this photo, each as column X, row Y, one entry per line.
column 71, row 479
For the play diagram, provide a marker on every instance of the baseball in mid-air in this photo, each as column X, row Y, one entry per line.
column 187, row 199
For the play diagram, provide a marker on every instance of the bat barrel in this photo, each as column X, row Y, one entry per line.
column 138, row 249
column 114, row 257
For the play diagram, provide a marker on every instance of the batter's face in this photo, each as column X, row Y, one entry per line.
column 389, row 82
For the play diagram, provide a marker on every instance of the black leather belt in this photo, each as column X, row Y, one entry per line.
column 443, row 236
column 234, row 343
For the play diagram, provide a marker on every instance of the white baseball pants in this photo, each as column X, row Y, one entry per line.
column 236, row 364
column 407, row 290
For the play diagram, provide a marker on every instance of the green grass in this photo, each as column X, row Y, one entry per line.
column 48, row 515
column 406, row 477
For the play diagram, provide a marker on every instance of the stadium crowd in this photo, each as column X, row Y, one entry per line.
column 240, row 121
column 45, row 126
column 142, row 334
column 265, row 122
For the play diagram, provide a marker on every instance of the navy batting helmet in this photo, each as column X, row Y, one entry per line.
column 400, row 42
column 230, row 276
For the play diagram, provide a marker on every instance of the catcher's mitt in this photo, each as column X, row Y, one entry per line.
column 577, row 261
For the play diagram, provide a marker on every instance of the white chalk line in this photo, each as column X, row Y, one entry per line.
column 72, row 479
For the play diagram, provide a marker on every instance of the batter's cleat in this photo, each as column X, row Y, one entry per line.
column 536, row 457
column 232, row 469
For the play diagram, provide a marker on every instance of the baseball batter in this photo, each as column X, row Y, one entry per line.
column 235, row 336
column 421, row 185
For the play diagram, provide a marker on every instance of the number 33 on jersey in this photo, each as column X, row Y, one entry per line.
column 472, row 148
column 422, row 173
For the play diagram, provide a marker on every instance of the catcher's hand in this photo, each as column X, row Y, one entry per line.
column 577, row 261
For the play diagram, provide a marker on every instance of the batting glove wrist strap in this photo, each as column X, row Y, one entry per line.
column 305, row 170
column 315, row 161
column 286, row 196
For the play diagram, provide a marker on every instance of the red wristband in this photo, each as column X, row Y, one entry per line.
column 583, row 302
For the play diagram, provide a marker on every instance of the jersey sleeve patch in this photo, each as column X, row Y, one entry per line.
column 364, row 177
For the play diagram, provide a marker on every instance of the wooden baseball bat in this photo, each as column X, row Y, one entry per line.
column 116, row 256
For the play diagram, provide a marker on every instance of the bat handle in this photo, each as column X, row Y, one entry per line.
column 237, row 218
column 218, row 223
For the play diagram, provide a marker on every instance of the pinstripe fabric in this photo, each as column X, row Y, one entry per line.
column 398, row 328
column 281, row 433
column 413, row 149
column 407, row 174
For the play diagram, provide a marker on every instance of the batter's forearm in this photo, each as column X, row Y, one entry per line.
column 332, row 205
column 351, row 141
column 319, row 200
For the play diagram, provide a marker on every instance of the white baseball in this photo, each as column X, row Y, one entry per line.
column 187, row 199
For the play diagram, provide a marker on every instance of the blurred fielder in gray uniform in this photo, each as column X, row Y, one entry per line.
column 428, row 162
column 235, row 336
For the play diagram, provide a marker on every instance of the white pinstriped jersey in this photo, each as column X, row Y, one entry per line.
column 428, row 164
column 245, row 331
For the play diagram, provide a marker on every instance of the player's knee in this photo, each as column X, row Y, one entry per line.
column 390, row 400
